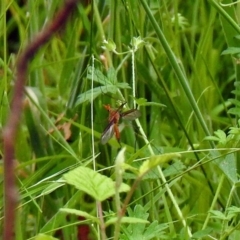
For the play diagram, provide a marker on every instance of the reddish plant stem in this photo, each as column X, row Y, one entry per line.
column 10, row 130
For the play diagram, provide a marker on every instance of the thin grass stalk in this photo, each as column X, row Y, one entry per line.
column 133, row 78
column 98, row 204
column 159, row 168
column 180, row 75
column 225, row 222
column 225, row 15
column 237, row 154
column 92, row 116
column 215, row 199
column 100, row 29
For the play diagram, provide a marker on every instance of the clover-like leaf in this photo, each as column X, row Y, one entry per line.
column 92, row 94
column 142, row 229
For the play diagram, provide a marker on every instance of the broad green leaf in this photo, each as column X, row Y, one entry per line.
column 154, row 161
column 80, row 213
column 96, row 185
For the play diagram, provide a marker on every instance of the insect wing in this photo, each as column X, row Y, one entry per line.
column 107, row 133
column 131, row 114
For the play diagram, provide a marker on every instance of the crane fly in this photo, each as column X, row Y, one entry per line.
column 113, row 120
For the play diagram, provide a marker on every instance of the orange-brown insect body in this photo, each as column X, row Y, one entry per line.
column 114, row 115
column 113, row 120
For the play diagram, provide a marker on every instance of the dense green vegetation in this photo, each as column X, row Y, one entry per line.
column 174, row 173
